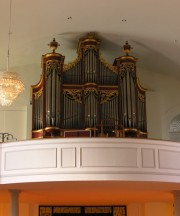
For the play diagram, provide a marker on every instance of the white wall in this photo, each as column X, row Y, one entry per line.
column 163, row 102
column 18, row 117
column 13, row 120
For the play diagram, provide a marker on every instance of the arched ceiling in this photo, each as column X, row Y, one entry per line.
column 151, row 27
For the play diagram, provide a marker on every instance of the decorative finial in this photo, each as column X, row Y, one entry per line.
column 127, row 48
column 91, row 35
column 54, row 45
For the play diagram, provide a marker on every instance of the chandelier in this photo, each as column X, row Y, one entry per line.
column 10, row 87
column 10, row 84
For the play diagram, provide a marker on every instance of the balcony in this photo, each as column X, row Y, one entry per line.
column 91, row 171
column 73, row 159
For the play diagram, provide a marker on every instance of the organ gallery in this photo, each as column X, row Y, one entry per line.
column 88, row 97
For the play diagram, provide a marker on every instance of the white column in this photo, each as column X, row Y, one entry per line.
column 176, row 203
column 14, row 205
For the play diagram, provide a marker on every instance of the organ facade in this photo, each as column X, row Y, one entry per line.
column 88, row 97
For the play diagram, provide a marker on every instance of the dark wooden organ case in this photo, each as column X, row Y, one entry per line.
column 88, row 97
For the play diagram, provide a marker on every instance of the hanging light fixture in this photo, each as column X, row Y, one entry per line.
column 10, row 84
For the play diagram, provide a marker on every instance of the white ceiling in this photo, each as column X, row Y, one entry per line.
column 151, row 27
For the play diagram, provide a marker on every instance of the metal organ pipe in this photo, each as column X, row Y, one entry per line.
column 130, row 100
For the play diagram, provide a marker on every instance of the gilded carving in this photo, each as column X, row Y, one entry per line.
column 74, row 94
column 119, row 211
column 89, row 42
column 45, row 211
column 88, row 47
column 52, row 65
column 70, row 210
column 107, row 95
column 109, row 66
column 94, row 210
column 72, row 64
column 127, row 67
column 140, row 87
column 141, row 97
column 89, row 210
column 37, row 94
column 90, row 90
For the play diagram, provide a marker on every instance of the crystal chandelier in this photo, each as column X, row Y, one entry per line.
column 10, row 84
column 10, row 87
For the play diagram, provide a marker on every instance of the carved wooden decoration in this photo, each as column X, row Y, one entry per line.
column 82, row 210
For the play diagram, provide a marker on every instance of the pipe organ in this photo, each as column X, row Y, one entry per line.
column 88, row 97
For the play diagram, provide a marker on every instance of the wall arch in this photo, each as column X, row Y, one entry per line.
column 168, row 118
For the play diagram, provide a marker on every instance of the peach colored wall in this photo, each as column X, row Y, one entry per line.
column 4, row 209
column 25, row 209
column 135, row 209
column 158, row 209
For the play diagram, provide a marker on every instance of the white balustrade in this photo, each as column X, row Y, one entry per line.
column 72, row 159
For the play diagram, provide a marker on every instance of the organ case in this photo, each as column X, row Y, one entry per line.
column 88, row 94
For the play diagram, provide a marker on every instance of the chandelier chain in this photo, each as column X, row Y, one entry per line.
column 10, row 84
column 9, row 33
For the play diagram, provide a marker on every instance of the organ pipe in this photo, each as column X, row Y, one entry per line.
column 132, row 96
